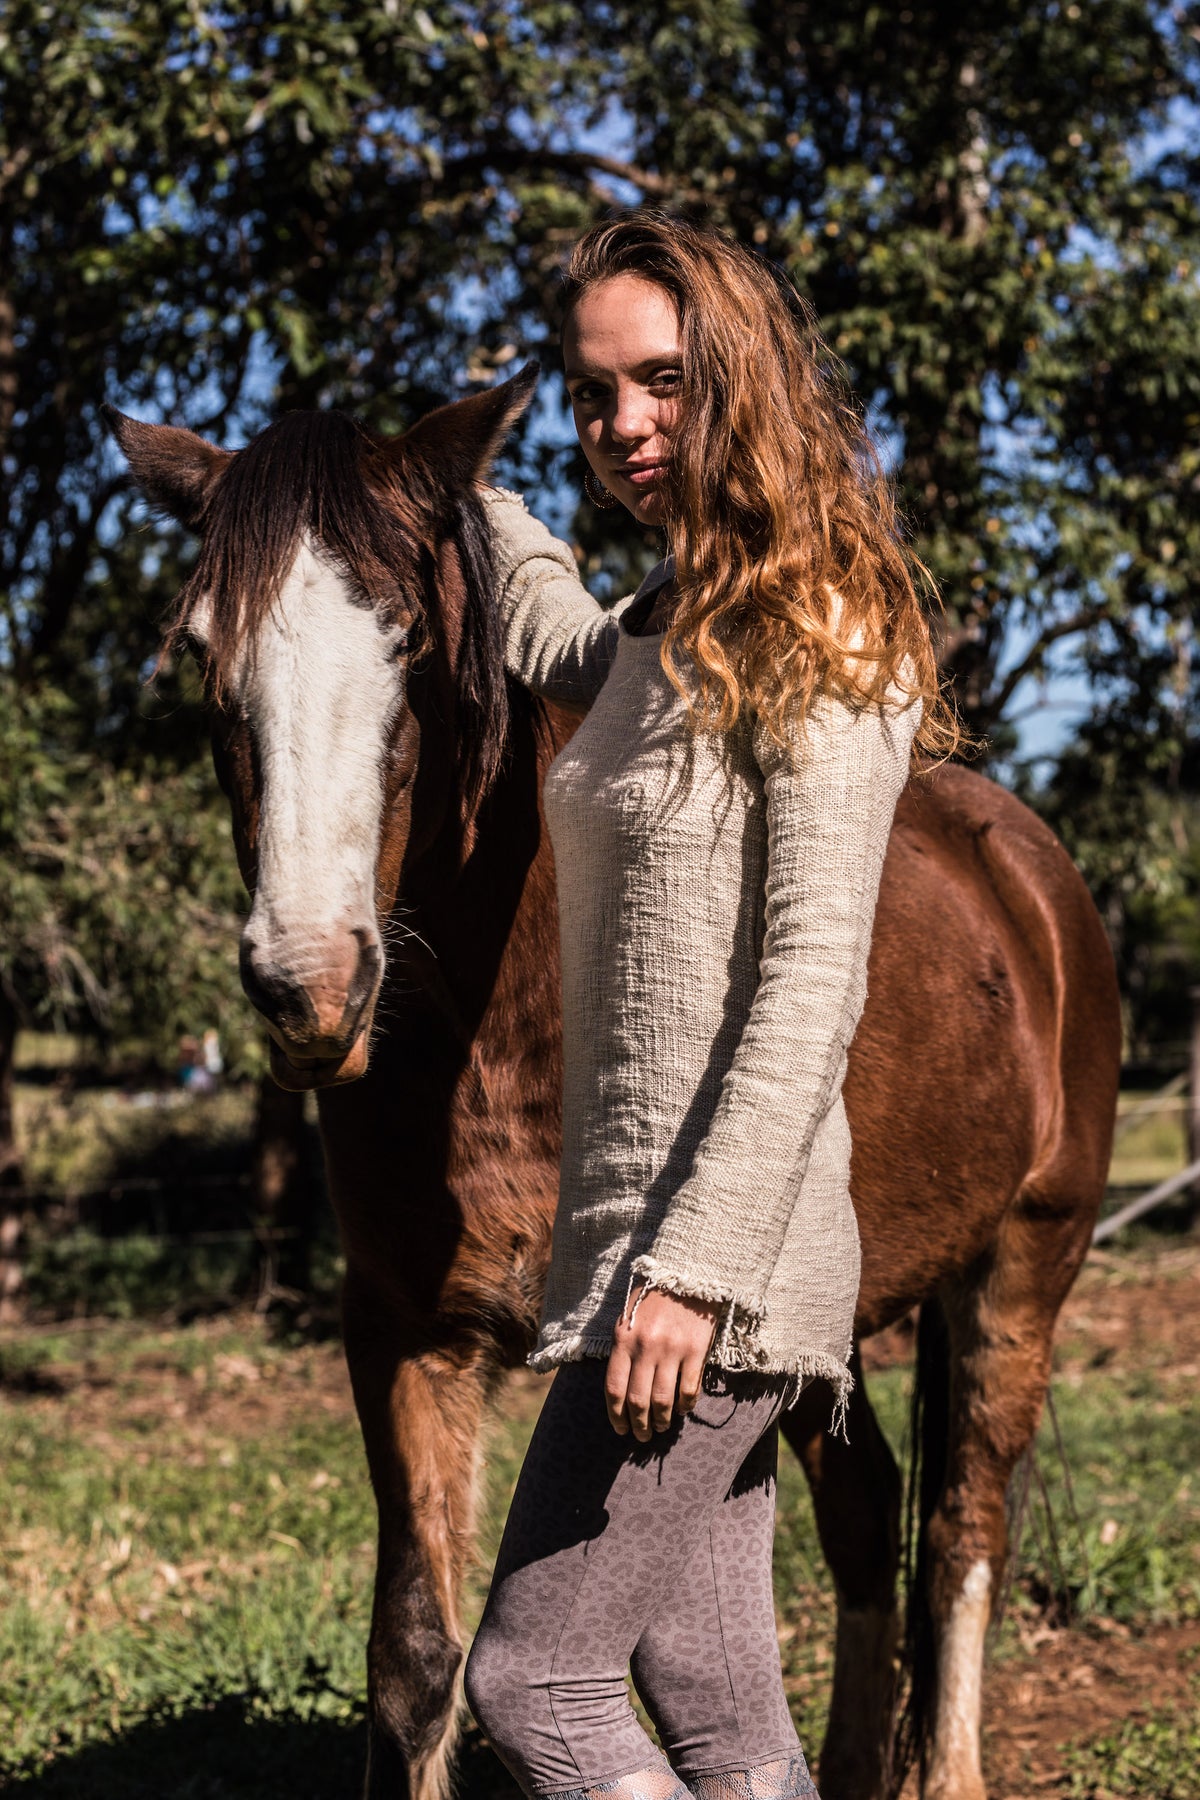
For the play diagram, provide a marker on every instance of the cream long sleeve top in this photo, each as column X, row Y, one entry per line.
column 716, row 898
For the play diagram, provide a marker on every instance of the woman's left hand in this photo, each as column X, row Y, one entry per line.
column 662, row 1353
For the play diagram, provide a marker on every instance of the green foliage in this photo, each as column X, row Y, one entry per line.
column 90, row 1139
column 1000, row 236
column 145, row 1210
column 138, row 1275
column 118, row 887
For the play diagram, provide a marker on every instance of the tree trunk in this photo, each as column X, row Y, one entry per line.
column 11, row 1204
column 284, row 1196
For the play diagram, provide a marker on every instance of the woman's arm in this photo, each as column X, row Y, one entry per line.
column 557, row 640
column 829, row 815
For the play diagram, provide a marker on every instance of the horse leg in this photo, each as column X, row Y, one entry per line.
column 1000, row 1326
column 856, row 1498
column 420, row 1410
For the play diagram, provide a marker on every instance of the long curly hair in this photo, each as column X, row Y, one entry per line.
column 791, row 576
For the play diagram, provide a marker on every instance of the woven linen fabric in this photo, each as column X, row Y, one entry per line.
column 716, row 897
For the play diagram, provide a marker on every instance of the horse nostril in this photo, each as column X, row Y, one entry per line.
column 272, row 992
column 366, row 976
column 325, row 1007
column 257, row 988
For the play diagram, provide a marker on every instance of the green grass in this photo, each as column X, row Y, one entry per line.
column 1153, row 1148
column 164, row 1223
column 92, row 1137
column 187, row 1553
column 156, row 1564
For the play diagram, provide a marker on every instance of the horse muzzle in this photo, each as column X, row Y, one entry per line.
column 301, row 1074
column 319, row 1021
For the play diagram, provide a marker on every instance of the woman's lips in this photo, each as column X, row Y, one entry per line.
column 644, row 474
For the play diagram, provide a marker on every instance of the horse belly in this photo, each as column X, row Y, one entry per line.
column 942, row 1089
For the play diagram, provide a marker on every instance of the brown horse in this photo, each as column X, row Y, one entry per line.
column 384, row 780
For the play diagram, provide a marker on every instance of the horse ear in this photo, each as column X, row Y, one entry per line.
column 174, row 468
column 459, row 441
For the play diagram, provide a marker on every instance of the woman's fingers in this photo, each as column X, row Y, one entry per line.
column 657, row 1362
column 662, row 1393
column 650, row 1394
column 691, row 1374
column 616, row 1384
column 637, row 1396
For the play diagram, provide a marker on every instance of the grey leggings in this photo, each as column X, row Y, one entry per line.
column 655, row 1556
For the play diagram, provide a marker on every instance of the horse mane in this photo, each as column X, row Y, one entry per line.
column 482, row 687
column 309, row 472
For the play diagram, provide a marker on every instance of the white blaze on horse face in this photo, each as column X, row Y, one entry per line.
column 320, row 685
column 955, row 1769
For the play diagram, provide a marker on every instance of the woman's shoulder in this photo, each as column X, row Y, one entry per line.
column 838, row 724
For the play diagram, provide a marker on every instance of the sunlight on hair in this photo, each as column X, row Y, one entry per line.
column 791, row 577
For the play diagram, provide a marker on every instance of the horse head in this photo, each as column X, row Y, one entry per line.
column 342, row 614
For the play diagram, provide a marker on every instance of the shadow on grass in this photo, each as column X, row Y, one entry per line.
column 223, row 1751
column 29, row 1381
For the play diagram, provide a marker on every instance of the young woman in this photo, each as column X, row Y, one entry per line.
column 719, row 823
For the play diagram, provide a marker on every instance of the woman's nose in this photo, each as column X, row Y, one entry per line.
column 635, row 417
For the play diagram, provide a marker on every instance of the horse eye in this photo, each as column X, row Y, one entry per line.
column 400, row 643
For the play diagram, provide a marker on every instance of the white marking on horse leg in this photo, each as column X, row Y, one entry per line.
column 955, row 1769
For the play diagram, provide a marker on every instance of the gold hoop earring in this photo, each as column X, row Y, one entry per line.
column 597, row 493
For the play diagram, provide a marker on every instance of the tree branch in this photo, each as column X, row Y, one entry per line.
column 510, row 158
column 65, row 575
column 999, row 698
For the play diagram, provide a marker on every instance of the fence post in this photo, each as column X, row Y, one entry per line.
column 284, row 1195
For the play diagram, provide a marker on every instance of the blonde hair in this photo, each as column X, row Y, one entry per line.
column 791, row 579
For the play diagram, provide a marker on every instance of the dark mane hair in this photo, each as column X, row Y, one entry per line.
column 311, row 472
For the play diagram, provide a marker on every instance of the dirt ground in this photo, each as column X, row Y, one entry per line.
column 1079, row 1683
column 1075, row 1684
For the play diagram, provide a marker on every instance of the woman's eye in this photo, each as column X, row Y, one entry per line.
column 587, row 395
column 668, row 378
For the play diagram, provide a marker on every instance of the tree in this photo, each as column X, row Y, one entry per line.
column 196, row 213
column 213, row 213
column 989, row 205
column 994, row 210
column 1125, row 799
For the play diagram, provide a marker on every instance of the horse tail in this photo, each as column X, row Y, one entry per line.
column 929, row 1436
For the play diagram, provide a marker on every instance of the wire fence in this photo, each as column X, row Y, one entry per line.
column 71, row 1208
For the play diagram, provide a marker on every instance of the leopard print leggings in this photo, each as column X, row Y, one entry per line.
column 655, row 1557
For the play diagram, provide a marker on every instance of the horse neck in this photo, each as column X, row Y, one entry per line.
column 478, row 893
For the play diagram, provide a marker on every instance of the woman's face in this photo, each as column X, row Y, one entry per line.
column 622, row 361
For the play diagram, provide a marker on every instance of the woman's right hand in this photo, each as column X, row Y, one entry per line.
column 656, row 1364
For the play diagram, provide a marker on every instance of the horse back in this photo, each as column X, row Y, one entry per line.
column 984, row 1073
